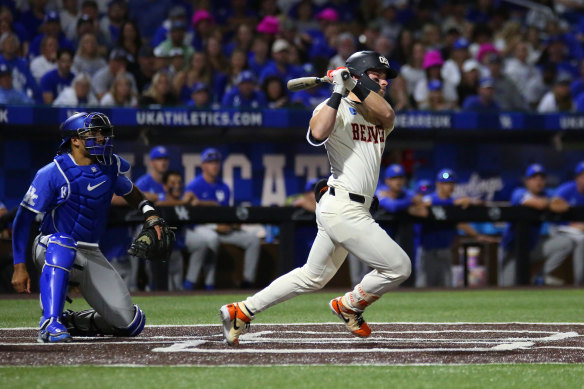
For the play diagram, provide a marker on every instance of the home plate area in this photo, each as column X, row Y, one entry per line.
column 310, row 344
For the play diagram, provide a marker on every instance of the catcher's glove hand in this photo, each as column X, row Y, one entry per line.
column 148, row 246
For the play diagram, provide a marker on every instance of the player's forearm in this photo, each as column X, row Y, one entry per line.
column 135, row 197
column 559, row 205
column 323, row 123
column 380, row 110
column 21, row 233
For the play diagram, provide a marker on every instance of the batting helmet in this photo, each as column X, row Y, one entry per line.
column 361, row 61
column 90, row 126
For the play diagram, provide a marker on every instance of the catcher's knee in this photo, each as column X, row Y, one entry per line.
column 135, row 327
column 61, row 251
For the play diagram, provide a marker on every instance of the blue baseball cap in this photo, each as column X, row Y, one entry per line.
column 446, row 175
column 579, row 168
column 51, row 16
column 211, row 154
column 245, row 76
column 158, row 152
column 309, row 187
column 487, row 82
column 461, row 43
column 434, row 85
column 199, row 86
column 534, row 169
column 423, row 187
column 395, row 170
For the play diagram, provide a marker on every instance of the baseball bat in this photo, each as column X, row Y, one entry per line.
column 303, row 83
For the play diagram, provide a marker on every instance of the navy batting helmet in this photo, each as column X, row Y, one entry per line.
column 90, row 126
column 361, row 61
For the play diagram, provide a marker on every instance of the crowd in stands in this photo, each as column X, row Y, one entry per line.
column 484, row 55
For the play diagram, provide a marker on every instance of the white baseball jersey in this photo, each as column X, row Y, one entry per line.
column 354, row 149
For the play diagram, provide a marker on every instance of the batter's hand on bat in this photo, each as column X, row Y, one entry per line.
column 337, row 79
column 21, row 279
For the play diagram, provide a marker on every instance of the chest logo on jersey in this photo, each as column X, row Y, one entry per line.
column 353, row 111
column 90, row 187
column 220, row 195
column 368, row 133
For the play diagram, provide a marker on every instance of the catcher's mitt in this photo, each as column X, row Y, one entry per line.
column 148, row 246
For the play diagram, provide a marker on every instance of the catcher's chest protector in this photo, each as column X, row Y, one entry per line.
column 85, row 200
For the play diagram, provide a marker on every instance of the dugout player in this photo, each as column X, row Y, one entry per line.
column 353, row 129
column 74, row 192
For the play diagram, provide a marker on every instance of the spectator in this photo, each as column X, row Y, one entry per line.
column 485, row 100
column 88, row 12
column 434, row 260
column 324, row 39
column 79, row 94
column 304, row 16
column 436, row 101
column 215, row 54
column 120, row 94
column 258, row 58
column 403, row 52
column 577, row 86
column 146, row 68
column 268, row 28
column 8, row 94
column 199, row 70
column 149, row 15
column 238, row 14
column 413, row 71
column 275, row 91
column 507, row 96
column 559, row 99
column 111, row 24
column 53, row 82
column 176, row 13
column 538, row 86
column 130, row 40
column 8, row 25
column 237, row 63
column 345, row 45
column 87, row 59
column 210, row 188
column 159, row 92
column 22, row 78
column 203, row 23
column 432, row 67
column 245, row 94
column 532, row 195
column 103, row 79
column 567, row 195
column 508, row 37
column 451, row 71
column 517, row 67
column 281, row 66
column 47, row 60
column 68, row 15
column 200, row 96
column 33, row 18
column 469, row 83
column 88, row 21
column 51, row 27
column 175, row 40
column 243, row 40
column 432, row 37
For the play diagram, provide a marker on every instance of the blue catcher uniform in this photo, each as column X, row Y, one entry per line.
column 75, row 200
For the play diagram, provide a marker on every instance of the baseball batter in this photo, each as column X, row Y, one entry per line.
column 353, row 130
column 74, row 193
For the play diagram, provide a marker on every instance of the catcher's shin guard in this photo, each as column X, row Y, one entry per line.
column 59, row 258
column 235, row 318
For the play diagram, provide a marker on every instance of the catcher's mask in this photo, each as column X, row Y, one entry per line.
column 95, row 129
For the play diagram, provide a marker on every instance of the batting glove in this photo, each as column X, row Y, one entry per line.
column 337, row 79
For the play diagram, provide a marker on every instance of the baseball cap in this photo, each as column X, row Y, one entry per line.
column 5, row 69
column 245, row 76
column 534, row 169
column 564, row 78
column 201, row 15
column 460, row 44
column 394, row 170
column 486, row 82
column 199, row 86
column 424, row 186
column 178, row 25
column 485, row 49
column 211, row 154
column 329, row 14
column 433, row 58
column 119, row 53
column 579, row 168
column 280, row 45
column 51, row 16
column 309, row 187
column 446, row 175
column 269, row 25
column 158, row 152
column 434, row 85
column 470, row 64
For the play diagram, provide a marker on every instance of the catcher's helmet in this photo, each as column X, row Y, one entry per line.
column 361, row 61
column 90, row 126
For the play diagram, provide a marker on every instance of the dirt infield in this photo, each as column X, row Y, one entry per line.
column 308, row 344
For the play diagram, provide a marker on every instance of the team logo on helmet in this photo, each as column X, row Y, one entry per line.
column 383, row 60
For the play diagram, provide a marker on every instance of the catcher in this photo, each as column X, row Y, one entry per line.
column 74, row 193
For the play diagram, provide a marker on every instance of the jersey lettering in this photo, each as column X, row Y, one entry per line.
column 30, row 196
column 355, row 128
column 63, row 192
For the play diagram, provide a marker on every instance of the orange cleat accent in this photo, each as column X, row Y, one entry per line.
column 353, row 320
column 235, row 318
